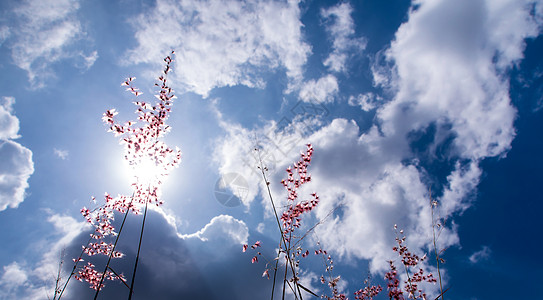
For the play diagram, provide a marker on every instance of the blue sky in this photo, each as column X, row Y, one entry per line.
column 397, row 98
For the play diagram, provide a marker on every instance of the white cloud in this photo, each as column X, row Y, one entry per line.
column 367, row 101
column 341, row 30
column 222, row 43
column 4, row 34
column 443, row 57
column 443, row 71
column 13, row 276
column 88, row 59
column 62, row 154
column 481, row 255
column 40, row 35
column 9, row 124
column 322, row 91
column 15, row 169
column 16, row 165
column 277, row 141
column 222, row 228
column 260, row 228
column 235, row 154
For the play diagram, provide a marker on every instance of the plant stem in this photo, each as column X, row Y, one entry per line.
column 72, row 273
column 275, row 270
column 57, row 282
column 285, row 281
column 287, row 249
column 435, row 247
column 138, row 254
column 111, row 252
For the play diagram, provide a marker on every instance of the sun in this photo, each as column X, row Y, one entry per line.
column 146, row 171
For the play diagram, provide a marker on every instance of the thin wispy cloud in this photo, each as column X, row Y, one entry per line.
column 41, row 34
column 345, row 44
column 62, row 154
column 481, row 255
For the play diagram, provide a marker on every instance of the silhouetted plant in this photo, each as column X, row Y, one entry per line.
column 290, row 247
column 151, row 161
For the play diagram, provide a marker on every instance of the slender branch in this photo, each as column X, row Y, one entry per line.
column 317, row 224
column 138, row 254
column 111, row 252
column 435, row 246
column 408, row 281
column 285, row 281
column 57, row 282
column 73, row 271
column 275, row 269
column 117, row 274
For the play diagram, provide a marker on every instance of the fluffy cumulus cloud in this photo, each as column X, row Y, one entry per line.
column 41, row 33
column 9, row 124
column 16, row 165
column 447, row 74
column 447, row 78
column 222, row 43
column 222, row 228
column 165, row 257
column 341, row 30
column 200, row 260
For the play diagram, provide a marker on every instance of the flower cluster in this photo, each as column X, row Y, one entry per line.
column 292, row 216
column 393, row 285
column 254, row 246
column 331, row 280
column 287, row 221
column 151, row 160
column 410, row 261
column 144, row 152
column 93, row 277
column 368, row 292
